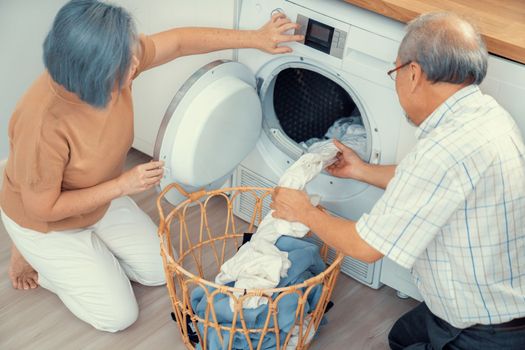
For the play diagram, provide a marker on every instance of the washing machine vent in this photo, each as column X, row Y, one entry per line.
column 367, row 274
column 307, row 103
column 243, row 205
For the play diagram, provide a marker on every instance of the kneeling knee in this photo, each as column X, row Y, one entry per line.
column 118, row 320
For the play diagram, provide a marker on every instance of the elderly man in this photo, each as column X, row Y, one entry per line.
column 454, row 209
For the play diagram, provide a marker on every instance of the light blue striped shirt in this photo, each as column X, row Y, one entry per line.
column 455, row 212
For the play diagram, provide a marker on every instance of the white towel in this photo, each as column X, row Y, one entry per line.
column 348, row 130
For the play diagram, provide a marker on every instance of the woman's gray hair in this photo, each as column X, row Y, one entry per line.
column 447, row 48
column 89, row 49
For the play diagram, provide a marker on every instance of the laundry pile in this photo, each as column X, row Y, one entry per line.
column 349, row 130
column 305, row 263
column 272, row 258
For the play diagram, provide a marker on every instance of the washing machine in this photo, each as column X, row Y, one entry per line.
column 241, row 122
column 248, row 117
column 339, row 70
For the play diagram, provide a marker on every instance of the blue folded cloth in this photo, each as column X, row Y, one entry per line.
column 305, row 263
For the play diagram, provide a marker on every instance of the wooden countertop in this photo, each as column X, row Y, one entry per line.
column 501, row 22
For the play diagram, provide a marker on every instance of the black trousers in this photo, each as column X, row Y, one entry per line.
column 419, row 329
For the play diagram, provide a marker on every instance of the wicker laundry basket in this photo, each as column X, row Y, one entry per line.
column 196, row 241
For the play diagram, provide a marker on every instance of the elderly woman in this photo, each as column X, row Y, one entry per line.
column 65, row 198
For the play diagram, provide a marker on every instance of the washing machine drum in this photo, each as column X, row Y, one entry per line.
column 211, row 125
column 307, row 103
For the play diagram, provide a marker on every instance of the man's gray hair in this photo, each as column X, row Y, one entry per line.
column 447, row 48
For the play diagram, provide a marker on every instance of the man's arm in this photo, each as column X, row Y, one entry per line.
column 179, row 42
column 348, row 165
column 377, row 175
column 341, row 234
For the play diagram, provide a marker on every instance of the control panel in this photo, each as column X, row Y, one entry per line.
column 321, row 36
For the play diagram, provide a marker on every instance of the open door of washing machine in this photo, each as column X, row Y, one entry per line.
column 210, row 126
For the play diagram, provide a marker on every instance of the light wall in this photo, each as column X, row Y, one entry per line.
column 24, row 25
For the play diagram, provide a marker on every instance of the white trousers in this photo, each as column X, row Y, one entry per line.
column 90, row 268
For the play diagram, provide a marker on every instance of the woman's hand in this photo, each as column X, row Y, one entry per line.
column 269, row 36
column 348, row 164
column 291, row 205
column 140, row 178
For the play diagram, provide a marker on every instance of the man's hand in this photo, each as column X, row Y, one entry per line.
column 272, row 34
column 348, row 164
column 291, row 205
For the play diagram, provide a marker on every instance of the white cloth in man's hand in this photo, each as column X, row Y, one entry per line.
column 259, row 264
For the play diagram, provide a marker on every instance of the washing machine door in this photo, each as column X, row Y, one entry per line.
column 211, row 125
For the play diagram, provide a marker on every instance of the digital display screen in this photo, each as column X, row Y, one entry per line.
column 320, row 32
column 319, row 36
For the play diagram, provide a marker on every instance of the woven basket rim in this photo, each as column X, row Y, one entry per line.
column 177, row 267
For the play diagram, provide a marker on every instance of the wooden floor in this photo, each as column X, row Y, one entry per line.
column 37, row 319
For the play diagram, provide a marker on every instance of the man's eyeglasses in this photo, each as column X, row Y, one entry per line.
column 393, row 72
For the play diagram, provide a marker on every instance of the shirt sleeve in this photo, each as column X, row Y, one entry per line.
column 417, row 203
column 147, row 54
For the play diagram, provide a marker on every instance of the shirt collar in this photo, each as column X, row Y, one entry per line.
column 447, row 108
column 73, row 99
